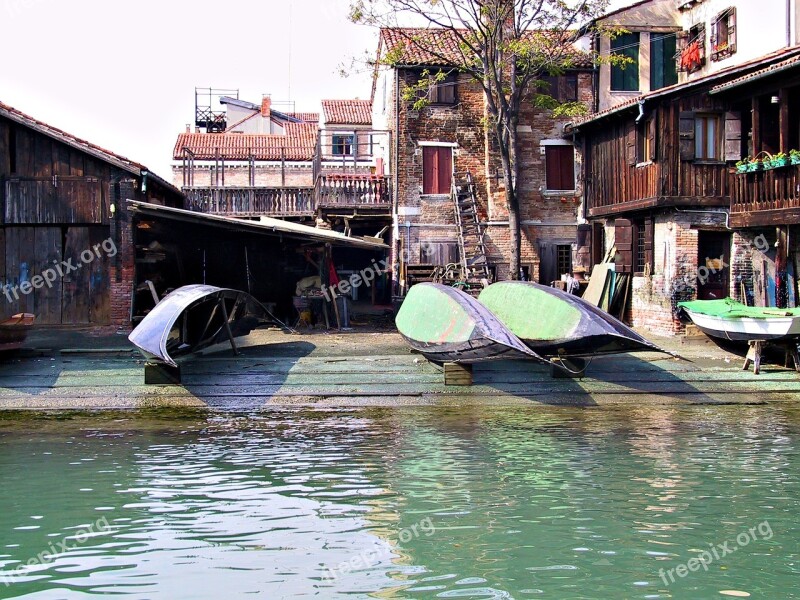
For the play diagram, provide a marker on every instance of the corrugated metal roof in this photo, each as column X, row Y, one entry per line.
column 264, row 226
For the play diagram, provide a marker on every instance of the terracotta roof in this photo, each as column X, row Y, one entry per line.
column 778, row 67
column 80, row 144
column 440, row 47
column 297, row 144
column 793, row 52
column 347, row 112
column 307, row 117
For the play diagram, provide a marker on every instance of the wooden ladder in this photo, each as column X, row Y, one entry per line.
column 471, row 245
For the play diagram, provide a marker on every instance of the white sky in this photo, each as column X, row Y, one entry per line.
column 122, row 73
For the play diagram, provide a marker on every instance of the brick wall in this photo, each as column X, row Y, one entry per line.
column 122, row 265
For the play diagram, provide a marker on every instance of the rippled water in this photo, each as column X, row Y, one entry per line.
column 407, row 503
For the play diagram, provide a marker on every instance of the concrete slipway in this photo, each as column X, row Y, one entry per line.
column 76, row 371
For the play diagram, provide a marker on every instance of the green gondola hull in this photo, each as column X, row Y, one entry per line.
column 446, row 325
column 553, row 323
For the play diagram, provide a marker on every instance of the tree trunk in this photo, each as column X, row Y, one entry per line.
column 508, row 154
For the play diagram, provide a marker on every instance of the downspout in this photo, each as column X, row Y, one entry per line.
column 641, row 111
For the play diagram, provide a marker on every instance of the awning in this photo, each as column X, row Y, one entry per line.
column 264, row 226
column 757, row 75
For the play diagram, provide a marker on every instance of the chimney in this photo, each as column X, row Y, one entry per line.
column 266, row 104
column 188, row 128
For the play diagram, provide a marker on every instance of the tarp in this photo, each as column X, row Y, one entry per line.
column 731, row 309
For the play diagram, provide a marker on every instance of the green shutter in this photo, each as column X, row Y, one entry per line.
column 626, row 78
column 663, row 68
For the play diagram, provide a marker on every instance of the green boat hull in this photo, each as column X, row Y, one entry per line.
column 445, row 324
column 553, row 323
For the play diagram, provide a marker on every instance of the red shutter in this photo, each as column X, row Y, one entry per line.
column 430, row 172
column 559, row 168
column 445, row 166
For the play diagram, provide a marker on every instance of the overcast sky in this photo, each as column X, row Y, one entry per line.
column 122, row 73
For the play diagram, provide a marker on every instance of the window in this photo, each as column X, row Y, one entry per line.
column 437, row 169
column 563, row 88
column 693, row 49
column 646, row 140
column 443, row 92
column 723, row 34
column 625, row 78
column 564, row 259
column 342, row 145
column 707, row 137
column 559, row 168
column 663, row 70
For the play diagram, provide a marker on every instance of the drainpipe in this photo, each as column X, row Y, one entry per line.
column 641, row 111
column 396, row 177
column 788, row 23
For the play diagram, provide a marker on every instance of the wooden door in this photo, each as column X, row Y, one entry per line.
column 713, row 268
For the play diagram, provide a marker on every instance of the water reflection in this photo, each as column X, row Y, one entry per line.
column 473, row 502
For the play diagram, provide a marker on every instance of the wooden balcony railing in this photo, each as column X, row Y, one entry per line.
column 251, row 201
column 353, row 190
column 762, row 191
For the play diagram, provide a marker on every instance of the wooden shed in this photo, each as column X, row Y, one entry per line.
column 65, row 250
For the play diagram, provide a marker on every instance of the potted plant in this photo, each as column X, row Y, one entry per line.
column 779, row 160
column 755, row 164
column 794, row 157
column 742, row 165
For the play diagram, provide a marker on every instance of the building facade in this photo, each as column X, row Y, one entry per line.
column 441, row 142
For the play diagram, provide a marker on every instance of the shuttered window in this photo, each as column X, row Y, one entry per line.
column 663, row 68
column 625, row 78
column 707, row 137
column 646, row 140
column 443, row 92
column 563, row 88
column 723, row 34
column 560, row 168
column 437, row 169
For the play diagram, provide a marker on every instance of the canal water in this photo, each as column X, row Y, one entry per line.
column 470, row 502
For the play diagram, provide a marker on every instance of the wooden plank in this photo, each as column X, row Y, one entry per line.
column 11, row 303
column 47, row 299
column 5, row 157
column 99, row 278
column 27, row 260
column 76, row 292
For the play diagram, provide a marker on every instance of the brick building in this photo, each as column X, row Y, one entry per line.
column 62, row 197
column 449, row 137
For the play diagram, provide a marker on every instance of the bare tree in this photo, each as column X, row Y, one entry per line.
column 506, row 46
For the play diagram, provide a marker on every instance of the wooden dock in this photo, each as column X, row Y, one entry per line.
column 321, row 370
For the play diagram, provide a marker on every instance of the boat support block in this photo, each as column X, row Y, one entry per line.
column 158, row 373
column 457, row 374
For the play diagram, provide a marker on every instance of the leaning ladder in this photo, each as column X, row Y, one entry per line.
column 471, row 245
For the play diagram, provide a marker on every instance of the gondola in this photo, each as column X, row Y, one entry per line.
column 554, row 323
column 194, row 317
column 445, row 324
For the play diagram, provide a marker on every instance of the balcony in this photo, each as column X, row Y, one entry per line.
column 251, row 201
column 367, row 190
column 766, row 198
column 330, row 192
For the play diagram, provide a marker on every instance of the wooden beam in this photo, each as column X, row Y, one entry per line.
column 764, row 218
column 756, row 131
column 660, row 202
column 784, row 120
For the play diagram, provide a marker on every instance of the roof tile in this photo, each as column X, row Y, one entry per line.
column 347, row 112
column 297, row 144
